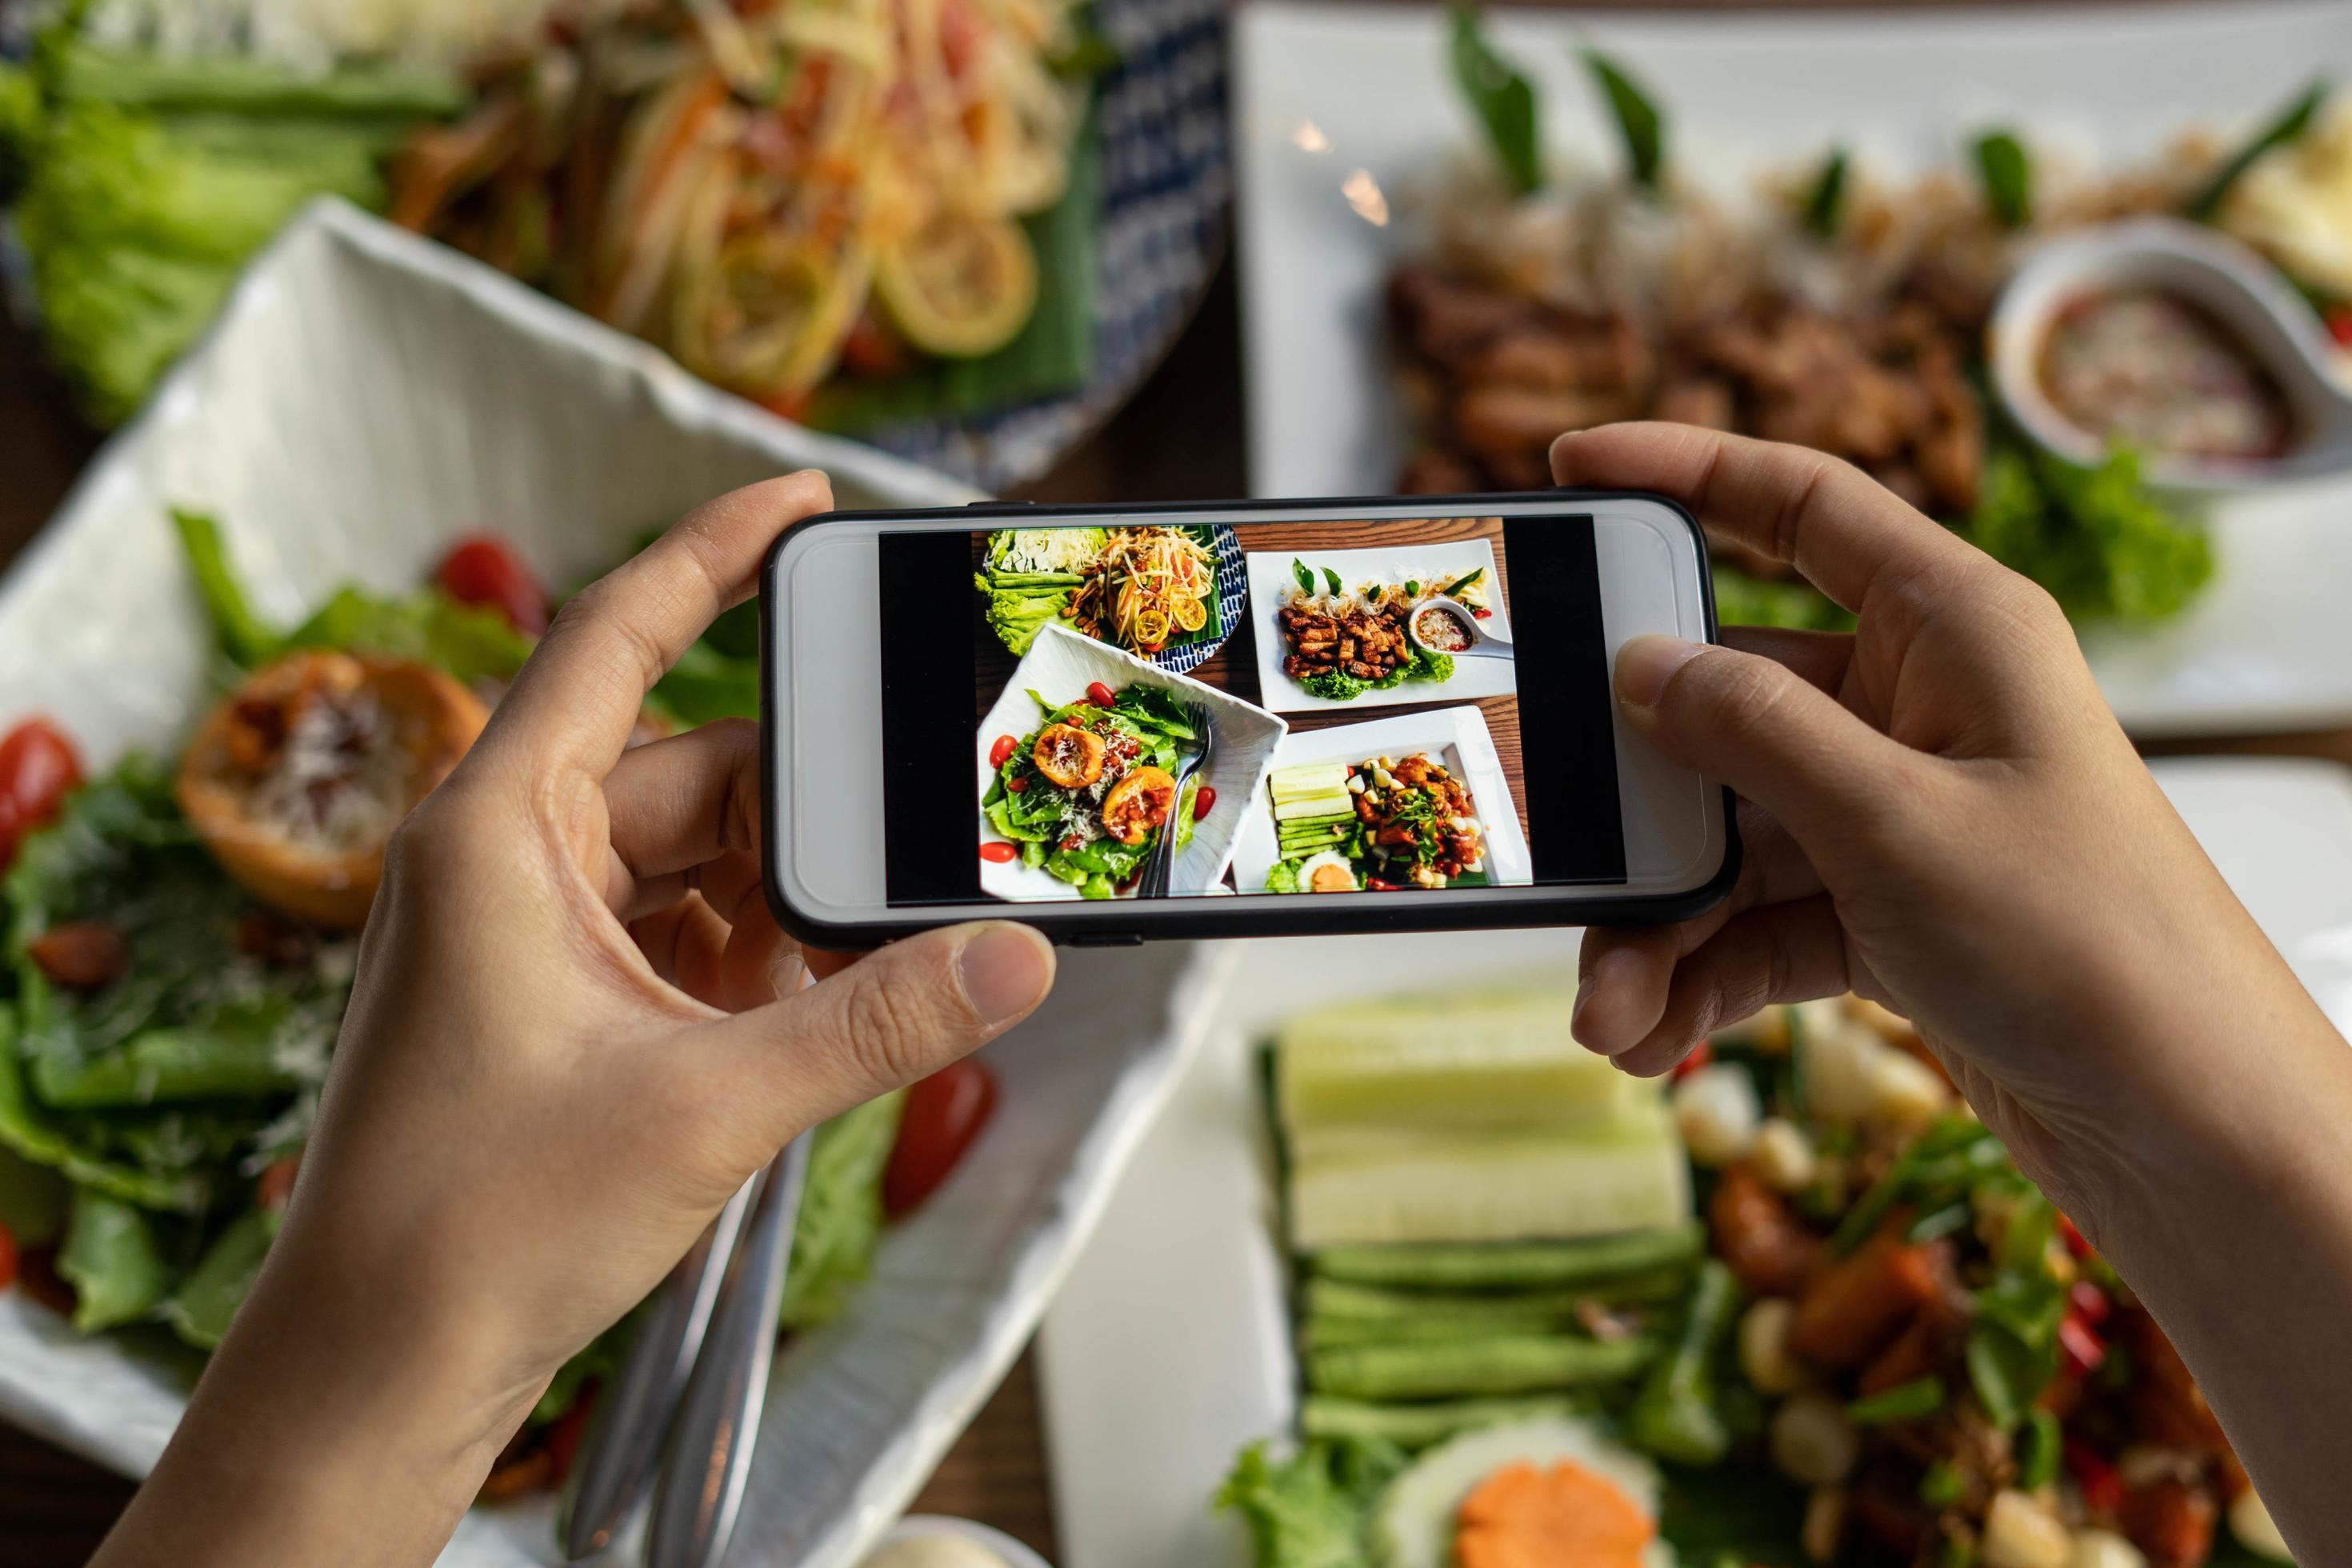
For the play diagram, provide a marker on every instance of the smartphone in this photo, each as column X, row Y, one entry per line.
column 1252, row 718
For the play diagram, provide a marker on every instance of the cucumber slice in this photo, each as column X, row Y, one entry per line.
column 1309, row 778
column 1413, row 1525
column 1493, row 1060
column 1321, row 807
column 1495, row 1187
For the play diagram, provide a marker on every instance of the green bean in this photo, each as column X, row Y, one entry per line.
column 1491, row 1363
column 1510, row 1265
column 1419, row 1425
column 1676, row 1415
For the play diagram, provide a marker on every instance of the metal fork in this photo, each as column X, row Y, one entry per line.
column 1162, row 869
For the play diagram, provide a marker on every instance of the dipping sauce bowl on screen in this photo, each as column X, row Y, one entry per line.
column 2179, row 342
column 1444, row 626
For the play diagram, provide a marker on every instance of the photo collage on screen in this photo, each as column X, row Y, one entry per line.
column 1295, row 708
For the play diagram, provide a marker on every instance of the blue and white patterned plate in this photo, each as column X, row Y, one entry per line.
column 1161, row 118
column 1232, row 594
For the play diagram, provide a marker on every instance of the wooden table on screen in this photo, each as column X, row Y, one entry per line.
column 1179, row 439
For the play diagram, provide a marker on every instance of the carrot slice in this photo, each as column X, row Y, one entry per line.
column 1563, row 1516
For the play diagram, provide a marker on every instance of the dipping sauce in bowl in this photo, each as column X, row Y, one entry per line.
column 2146, row 367
column 1441, row 629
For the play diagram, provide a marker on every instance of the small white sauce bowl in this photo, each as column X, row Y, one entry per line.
column 2240, row 290
column 927, row 1526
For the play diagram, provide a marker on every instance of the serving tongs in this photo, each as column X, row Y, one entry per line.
column 1160, row 868
column 697, row 1375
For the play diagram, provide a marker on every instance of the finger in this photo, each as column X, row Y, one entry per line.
column 578, row 697
column 680, row 803
column 1822, row 658
column 1781, row 952
column 1839, row 527
column 893, row 1017
column 1627, row 971
column 676, row 939
column 1761, row 728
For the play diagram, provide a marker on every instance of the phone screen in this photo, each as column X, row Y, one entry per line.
column 1311, row 706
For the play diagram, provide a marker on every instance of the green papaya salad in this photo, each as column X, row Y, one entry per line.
column 1085, row 795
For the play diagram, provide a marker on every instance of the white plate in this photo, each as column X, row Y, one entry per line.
column 1168, row 1349
column 1459, row 738
column 1270, row 577
column 1060, row 665
column 366, row 397
column 2266, row 647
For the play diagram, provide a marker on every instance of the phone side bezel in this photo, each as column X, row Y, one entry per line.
column 1207, row 918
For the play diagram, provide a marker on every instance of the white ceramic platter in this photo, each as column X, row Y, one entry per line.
column 1456, row 737
column 1059, row 666
column 1272, row 578
column 1168, row 1349
column 366, row 398
column 1333, row 96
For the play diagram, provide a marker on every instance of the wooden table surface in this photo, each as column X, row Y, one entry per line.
column 1179, row 439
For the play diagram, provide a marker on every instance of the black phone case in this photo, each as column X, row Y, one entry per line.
column 1205, row 918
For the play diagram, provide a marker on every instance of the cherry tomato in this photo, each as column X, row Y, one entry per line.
column 873, row 350
column 39, row 768
column 2089, row 1303
column 944, row 1114
column 482, row 569
column 564, row 1436
column 1003, row 748
column 1204, row 800
column 1101, row 696
column 2102, row 1487
column 2076, row 1242
column 276, row 1188
column 1018, row 784
column 2339, row 325
column 1701, row 1054
column 998, row 851
column 8, row 1257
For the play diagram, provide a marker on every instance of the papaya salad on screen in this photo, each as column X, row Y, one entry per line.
column 181, row 933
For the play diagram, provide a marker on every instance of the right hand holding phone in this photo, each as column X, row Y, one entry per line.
column 1939, row 813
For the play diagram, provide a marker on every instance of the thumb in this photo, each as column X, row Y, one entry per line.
column 1760, row 726
column 891, row 1017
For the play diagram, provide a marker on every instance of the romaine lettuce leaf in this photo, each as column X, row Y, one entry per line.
column 114, row 1261
column 840, row 1212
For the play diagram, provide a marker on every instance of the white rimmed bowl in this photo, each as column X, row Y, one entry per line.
column 2248, row 297
column 929, row 1526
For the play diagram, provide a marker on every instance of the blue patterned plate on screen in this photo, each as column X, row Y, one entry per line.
column 1233, row 593
column 1160, row 158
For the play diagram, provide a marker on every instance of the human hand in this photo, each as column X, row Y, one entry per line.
column 575, row 1031
column 1939, row 812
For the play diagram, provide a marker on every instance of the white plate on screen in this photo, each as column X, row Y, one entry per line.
column 2266, row 647
column 1059, row 666
column 1168, row 1349
column 1272, row 575
column 1456, row 737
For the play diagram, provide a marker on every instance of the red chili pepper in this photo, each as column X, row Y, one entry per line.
column 2090, row 1303
column 2075, row 1241
column 1002, row 750
column 1484, row 614
column 483, row 569
column 1204, row 800
column 1018, row 784
column 998, row 851
column 2083, row 1347
column 2101, row 1486
column 1101, row 696
column 1701, row 1055
column 1375, row 885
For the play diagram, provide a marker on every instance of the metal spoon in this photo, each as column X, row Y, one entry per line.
column 624, row 1440
column 700, row 1491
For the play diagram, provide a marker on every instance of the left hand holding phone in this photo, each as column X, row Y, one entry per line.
column 575, row 1031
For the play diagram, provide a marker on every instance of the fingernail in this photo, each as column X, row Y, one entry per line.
column 1005, row 970
column 789, row 974
column 1646, row 663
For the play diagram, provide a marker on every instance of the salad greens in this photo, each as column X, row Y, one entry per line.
column 2008, row 176
column 2289, row 126
column 141, row 186
column 1309, row 1510
column 1339, row 686
column 2104, row 546
column 1061, row 829
column 1030, row 576
column 1638, row 120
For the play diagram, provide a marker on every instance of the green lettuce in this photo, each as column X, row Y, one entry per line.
column 1017, row 615
column 1309, row 1510
column 2097, row 538
column 200, row 1310
column 840, row 1212
column 113, row 1260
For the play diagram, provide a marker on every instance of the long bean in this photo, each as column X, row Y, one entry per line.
column 1676, row 1415
column 1510, row 1265
column 1492, row 1364
column 1419, row 1425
